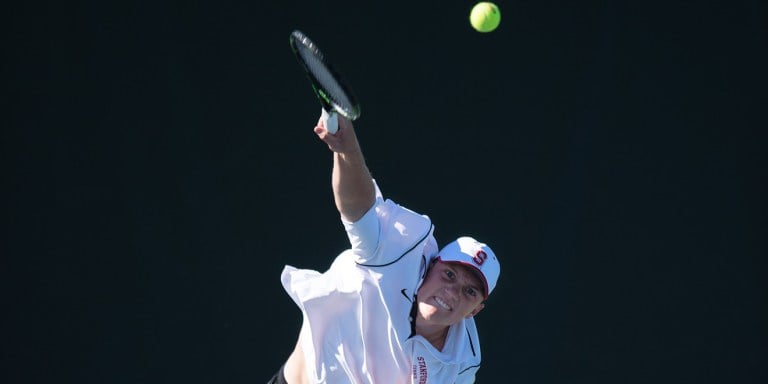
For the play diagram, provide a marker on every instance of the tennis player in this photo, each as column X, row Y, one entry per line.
column 394, row 307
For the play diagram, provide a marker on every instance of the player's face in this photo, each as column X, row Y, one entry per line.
column 449, row 293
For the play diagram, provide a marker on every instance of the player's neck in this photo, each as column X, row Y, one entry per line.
column 435, row 334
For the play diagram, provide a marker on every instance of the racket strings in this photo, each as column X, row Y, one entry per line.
column 334, row 92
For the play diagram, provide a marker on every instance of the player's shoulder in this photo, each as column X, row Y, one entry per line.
column 389, row 208
column 399, row 223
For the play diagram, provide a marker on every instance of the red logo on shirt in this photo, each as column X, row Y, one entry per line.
column 420, row 370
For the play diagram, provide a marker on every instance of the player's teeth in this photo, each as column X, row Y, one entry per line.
column 442, row 304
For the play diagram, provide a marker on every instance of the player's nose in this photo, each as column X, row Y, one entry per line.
column 452, row 291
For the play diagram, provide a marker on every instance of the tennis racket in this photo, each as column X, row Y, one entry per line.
column 336, row 97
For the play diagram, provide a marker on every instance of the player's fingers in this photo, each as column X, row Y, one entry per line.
column 330, row 140
column 336, row 142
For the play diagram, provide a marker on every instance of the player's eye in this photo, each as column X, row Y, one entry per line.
column 449, row 274
column 471, row 291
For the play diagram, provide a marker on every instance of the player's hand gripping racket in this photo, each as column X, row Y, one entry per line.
column 334, row 94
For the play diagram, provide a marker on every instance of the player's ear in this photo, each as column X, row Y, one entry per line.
column 476, row 310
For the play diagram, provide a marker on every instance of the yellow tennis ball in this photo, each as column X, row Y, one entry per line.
column 485, row 16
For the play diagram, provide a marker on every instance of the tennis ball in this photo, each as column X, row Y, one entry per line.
column 485, row 16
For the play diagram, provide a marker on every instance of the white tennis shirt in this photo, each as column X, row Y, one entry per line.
column 356, row 326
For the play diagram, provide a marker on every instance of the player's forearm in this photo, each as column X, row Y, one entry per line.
column 353, row 188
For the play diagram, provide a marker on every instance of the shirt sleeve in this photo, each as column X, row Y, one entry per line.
column 364, row 233
column 387, row 232
column 467, row 377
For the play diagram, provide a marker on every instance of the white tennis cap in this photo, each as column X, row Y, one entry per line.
column 472, row 253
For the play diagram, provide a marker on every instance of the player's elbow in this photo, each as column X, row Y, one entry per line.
column 352, row 210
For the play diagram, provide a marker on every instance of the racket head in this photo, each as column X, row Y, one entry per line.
column 331, row 89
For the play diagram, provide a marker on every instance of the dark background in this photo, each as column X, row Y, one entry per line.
column 160, row 169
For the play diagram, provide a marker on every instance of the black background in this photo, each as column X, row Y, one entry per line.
column 161, row 169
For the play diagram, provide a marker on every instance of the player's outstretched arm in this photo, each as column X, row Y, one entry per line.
column 352, row 184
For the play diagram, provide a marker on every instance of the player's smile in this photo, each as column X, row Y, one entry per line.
column 442, row 304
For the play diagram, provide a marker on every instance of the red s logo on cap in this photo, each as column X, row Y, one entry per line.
column 480, row 257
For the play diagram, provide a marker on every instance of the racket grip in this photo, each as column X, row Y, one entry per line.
column 330, row 120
